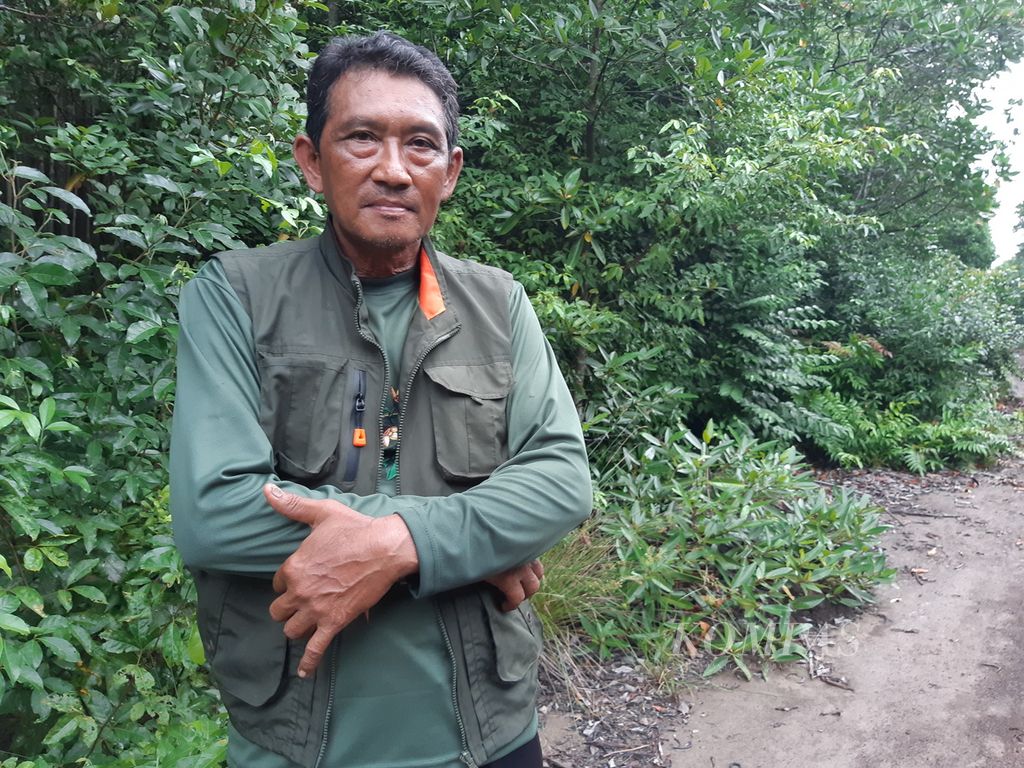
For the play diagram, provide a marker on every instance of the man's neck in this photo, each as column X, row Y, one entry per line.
column 375, row 262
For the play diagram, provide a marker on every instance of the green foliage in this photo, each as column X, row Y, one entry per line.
column 1008, row 285
column 697, row 196
column 170, row 122
column 725, row 543
column 890, row 435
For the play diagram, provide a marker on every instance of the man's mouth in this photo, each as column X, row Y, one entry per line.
column 389, row 206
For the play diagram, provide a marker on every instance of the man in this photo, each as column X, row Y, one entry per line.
column 371, row 444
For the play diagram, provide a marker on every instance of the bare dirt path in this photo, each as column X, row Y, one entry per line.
column 935, row 669
column 930, row 677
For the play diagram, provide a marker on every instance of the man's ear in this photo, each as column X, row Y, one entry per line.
column 308, row 159
column 452, row 175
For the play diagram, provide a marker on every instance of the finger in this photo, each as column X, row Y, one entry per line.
column 280, row 583
column 514, row 595
column 282, row 608
column 531, row 584
column 308, row 511
column 315, row 650
column 538, row 568
column 299, row 625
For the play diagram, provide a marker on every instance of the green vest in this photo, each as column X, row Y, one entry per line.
column 321, row 375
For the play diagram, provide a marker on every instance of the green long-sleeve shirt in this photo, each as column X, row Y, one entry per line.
column 221, row 458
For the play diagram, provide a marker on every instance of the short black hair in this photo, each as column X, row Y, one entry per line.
column 384, row 52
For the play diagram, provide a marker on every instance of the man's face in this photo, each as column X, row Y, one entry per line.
column 383, row 163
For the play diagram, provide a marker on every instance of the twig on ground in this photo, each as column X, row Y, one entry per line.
column 624, row 751
column 836, row 682
column 919, row 514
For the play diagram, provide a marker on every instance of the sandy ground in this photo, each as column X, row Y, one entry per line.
column 931, row 677
column 935, row 670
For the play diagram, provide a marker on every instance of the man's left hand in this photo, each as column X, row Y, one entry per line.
column 518, row 584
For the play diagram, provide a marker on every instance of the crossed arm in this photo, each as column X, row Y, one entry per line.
column 345, row 566
column 224, row 520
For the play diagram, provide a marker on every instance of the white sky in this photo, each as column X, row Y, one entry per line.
column 998, row 92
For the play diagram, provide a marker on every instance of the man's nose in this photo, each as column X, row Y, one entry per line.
column 390, row 168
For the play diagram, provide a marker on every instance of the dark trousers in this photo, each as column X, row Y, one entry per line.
column 527, row 756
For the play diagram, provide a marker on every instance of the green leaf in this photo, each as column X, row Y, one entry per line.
column 163, row 389
column 5, row 567
column 128, row 235
column 31, row 424
column 743, row 575
column 162, row 182
column 194, row 647
column 47, row 409
column 24, row 172
column 23, row 516
column 141, row 677
column 64, row 598
column 79, row 570
column 11, row 623
column 28, row 295
column 31, row 599
column 70, row 329
column 9, row 217
column 33, row 559
column 49, row 273
column 57, row 556
column 77, row 475
column 62, row 426
column 68, row 197
column 90, row 593
column 61, row 648
column 36, row 367
column 58, row 735
column 141, row 330
column 715, row 666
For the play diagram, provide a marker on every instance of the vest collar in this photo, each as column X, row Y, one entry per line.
column 432, row 290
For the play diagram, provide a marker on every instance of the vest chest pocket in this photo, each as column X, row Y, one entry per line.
column 302, row 412
column 467, row 404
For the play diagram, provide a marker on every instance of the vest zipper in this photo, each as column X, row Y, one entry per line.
column 358, row 429
column 387, row 378
column 465, row 756
column 404, row 401
column 330, row 706
column 360, row 388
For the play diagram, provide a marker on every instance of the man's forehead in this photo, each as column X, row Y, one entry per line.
column 358, row 80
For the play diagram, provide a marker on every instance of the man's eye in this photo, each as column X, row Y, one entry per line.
column 361, row 136
column 421, row 143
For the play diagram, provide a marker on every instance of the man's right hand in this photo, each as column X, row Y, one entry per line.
column 343, row 568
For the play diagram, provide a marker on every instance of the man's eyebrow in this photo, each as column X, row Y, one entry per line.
column 380, row 126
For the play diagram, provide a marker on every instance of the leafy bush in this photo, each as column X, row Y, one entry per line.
column 171, row 122
column 890, row 435
column 696, row 195
column 724, row 542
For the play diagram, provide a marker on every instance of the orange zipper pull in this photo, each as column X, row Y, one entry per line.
column 359, row 437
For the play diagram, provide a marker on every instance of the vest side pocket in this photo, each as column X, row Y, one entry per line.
column 517, row 640
column 302, row 410
column 467, row 404
column 252, row 664
column 501, row 652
